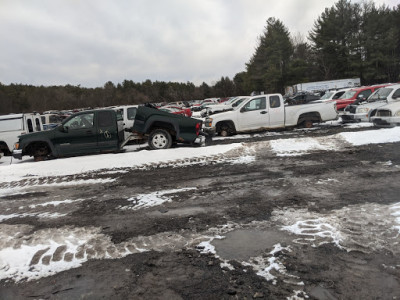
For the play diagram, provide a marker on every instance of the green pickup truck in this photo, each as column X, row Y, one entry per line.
column 101, row 131
column 162, row 129
column 91, row 131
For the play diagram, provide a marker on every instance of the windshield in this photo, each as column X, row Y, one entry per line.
column 11, row 124
column 327, row 96
column 380, row 94
column 230, row 101
column 240, row 100
column 348, row 94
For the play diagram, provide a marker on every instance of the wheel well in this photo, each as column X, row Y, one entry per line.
column 312, row 116
column 30, row 149
column 230, row 124
column 373, row 113
column 163, row 125
column 4, row 148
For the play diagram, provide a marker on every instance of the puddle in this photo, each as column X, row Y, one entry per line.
column 243, row 244
column 183, row 212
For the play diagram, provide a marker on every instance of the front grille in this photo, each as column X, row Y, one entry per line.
column 384, row 113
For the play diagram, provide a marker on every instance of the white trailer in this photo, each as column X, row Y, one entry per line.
column 325, row 85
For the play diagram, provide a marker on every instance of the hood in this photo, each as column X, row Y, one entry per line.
column 44, row 133
column 394, row 106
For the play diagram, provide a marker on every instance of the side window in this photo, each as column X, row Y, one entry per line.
column 131, row 113
column 256, row 104
column 120, row 117
column 81, row 121
column 30, row 125
column 105, row 118
column 274, row 102
column 365, row 94
column 396, row 94
column 43, row 119
column 37, row 124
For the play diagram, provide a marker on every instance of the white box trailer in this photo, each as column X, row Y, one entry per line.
column 325, row 85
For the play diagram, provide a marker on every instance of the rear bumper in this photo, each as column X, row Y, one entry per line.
column 17, row 154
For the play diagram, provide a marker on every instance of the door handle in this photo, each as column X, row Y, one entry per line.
column 89, row 132
column 263, row 112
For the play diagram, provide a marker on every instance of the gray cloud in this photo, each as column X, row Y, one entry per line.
column 58, row 42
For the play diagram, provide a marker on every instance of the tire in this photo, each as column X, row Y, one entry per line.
column 308, row 124
column 225, row 130
column 160, row 139
column 40, row 152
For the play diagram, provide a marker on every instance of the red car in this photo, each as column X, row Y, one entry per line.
column 352, row 95
column 177, row 110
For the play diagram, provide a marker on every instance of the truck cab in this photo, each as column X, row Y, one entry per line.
column 14, row 125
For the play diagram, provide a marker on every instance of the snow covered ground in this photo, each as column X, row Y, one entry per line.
column 20, row 261
column 14, row 170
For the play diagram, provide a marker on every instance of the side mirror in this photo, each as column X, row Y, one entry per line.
column 64, row 129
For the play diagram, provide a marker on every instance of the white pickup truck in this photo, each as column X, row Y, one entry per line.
column 265, row 112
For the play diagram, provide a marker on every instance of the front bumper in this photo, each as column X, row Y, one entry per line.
column 348, row 117
column 386, row 122
column 209, row 131
column 17, row 154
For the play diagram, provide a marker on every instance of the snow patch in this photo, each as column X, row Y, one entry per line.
column 153, row 199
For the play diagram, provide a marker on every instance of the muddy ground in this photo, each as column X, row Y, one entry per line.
column 317, row 226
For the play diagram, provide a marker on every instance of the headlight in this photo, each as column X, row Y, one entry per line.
column 208, row 122
column 397, row 114
column 362, row 110
column 16, row 146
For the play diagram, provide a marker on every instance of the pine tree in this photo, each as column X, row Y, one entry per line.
column 267, row 69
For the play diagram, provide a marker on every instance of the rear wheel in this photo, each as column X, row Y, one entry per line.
column 308, row 124
column 160, row 139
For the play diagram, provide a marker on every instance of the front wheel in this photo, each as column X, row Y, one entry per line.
column 40, row 152
column 160, row 139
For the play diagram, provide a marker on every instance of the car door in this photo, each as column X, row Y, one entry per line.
column 276, row 111
column 254, row 114
column 107, row 131
column 77, row 135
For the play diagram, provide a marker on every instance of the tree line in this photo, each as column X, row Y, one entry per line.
column 347, row 40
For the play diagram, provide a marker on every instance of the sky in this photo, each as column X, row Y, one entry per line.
column 91, row 42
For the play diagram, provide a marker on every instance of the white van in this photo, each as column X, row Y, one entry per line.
column 14, row 125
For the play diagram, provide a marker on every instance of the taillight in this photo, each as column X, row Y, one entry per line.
column 198, row 125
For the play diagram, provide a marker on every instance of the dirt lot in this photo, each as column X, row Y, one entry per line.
column 317, row 226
